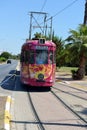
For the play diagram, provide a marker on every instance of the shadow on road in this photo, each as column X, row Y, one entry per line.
column 12, row 82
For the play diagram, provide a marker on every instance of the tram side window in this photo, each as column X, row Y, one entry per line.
column 54, row 60
column 50, row 57
column 26, row 55
column 31, row 57
column 22, row 57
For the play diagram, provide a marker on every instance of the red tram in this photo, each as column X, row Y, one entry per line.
column 38, row 63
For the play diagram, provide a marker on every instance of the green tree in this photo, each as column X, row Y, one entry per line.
column 60, row 54
column 6, row 55
column 78, row 44
column 38, row 35
column 72, row 56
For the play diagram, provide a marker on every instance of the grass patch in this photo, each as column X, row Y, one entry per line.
column 66, row 69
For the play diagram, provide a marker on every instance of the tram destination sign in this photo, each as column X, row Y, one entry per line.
column 41, row 47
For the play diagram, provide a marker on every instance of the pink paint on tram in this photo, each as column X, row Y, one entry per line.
column 38, row 63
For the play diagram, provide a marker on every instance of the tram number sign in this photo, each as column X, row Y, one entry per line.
column 41, row 48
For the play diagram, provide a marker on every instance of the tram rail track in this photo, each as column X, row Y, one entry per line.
column 75, row 88
column 70, row 93
column 41, row 127
column 37, row 119
column 69, row 108
column 36, row 101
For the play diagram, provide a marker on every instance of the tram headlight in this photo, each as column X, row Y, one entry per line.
column 40, row 76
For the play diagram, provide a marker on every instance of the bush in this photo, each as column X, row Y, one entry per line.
column 74, row 74
column 2, row 59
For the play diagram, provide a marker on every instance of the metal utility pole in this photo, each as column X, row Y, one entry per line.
column 36, row 24
column 51, row 29
column 30, row 31
column 85, row 15
column 45, row 25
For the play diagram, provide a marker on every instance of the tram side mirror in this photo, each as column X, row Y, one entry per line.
column 41, row 41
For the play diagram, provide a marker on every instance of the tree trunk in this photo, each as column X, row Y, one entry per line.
column 81, row 69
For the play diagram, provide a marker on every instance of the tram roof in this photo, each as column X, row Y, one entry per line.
column 36, row 42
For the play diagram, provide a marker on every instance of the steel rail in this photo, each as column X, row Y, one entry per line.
column 40, row 126
column 70, row 93
column 67, row 106
column 67, row 85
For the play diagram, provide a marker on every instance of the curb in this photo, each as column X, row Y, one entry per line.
column 7, row 115
column 18, row 66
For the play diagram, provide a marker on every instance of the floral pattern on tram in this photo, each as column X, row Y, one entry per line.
column 45, row 70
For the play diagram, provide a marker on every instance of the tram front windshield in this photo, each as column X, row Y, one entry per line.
column 41, row 57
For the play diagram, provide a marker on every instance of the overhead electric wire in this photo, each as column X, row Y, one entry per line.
column 43, row 5
column 69, row 5
column 66, row 7
column 42, row 8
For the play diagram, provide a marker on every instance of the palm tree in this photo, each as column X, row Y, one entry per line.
column 72, row 56
column 60, row 55
column 78, row 40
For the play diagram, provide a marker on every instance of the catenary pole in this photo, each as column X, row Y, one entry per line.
column 85, row 13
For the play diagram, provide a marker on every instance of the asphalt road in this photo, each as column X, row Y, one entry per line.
column 7, row 83
column 7, row 69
